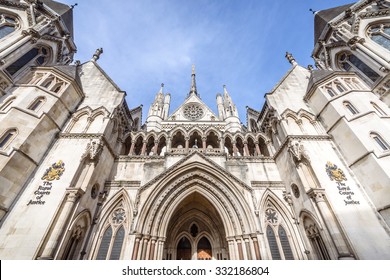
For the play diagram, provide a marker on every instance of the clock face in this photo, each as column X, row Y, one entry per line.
column 193, row 111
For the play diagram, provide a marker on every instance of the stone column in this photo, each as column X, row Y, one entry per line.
column 136, row 247
column 232, row 251
column 152, row 248
column 187, row 144
column 145, row 242
column 169, row 144
column 131, row 152
column 221, row 145
column 160, row 249
column 143, row 150
column 257, row 148
column 256, row 246
column 239, row 247
column 338, row 238
column 155, row 148
column 235, row 150
column 246, row 150
column 59, row 226
column 247, row 247
column 204, row 144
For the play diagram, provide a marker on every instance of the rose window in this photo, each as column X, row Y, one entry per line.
column 193, row 112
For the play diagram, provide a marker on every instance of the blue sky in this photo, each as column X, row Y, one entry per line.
column 239, row 43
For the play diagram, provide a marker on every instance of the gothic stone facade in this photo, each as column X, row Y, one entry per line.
column 81, row 177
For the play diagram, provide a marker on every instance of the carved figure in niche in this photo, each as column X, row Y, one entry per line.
column 297, row 150
column 93, row 149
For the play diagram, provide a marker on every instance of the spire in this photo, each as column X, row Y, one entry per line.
column 97, row 54
column 162, row 87
column 193, row 82
column 224, row 90
column 290, row 58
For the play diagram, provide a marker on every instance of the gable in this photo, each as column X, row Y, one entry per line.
column 193, row 109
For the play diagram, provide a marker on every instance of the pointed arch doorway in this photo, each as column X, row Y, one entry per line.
column 196, row 231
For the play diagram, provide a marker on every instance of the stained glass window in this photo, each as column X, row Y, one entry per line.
column 7, row 138
column 118, row 242
column 37, row 55
column 105, row 244
column 288, row 254
column 351, row 108
column 380, row 34
column 350, row 62
column 273, row 245
column 8, row 25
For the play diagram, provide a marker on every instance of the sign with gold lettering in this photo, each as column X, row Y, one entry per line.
column 336, row 174
column 54, row 172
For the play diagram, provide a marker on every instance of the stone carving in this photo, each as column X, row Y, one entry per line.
column 93, row 149
column 271, row 216
column 54, row 172
column 297, row 151
column 335, row 173
column 193, row 112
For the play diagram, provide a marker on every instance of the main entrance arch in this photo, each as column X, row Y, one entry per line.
column 197, row 224
column 195, row 200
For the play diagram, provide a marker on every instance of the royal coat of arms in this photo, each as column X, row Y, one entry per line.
column 335, row 173
column 55, row 171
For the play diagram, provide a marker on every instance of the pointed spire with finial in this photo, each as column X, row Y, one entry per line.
column 193, row 82
column 290, row 58
column 97, row 54
column 162, row 87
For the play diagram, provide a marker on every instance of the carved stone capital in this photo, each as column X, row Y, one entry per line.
column 297, row 151
column 93, row 149
column 354, row 41
column 318, row 195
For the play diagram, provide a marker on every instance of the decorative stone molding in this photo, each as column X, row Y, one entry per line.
column 354, row 41
column 318, row 195
column 297, row 151
column 93, row 150
column 288, row 198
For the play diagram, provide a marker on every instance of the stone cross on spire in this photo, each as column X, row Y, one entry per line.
column 193, row 82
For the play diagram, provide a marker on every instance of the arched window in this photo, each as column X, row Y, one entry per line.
column 8, row 24
column 277, row 237
column 7, row 104
column 288, row 254
column 36, row 56
column 112, row 239
column 340, row 88
column 331, row 92
column 381, row 143
column 351, row 109
column 350, row 62
column 273, row 245
column 37, row 104
column 378, row 109
column 7, row 138
column 315, row 238
column 380, row 34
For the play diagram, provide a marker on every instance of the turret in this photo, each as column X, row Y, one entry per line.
column 221, row 113
column 167, row 102
column 230, row 112
column 157, row 111
column 35, row 34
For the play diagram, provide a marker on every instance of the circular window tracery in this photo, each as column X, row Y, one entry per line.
column 193, row 111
